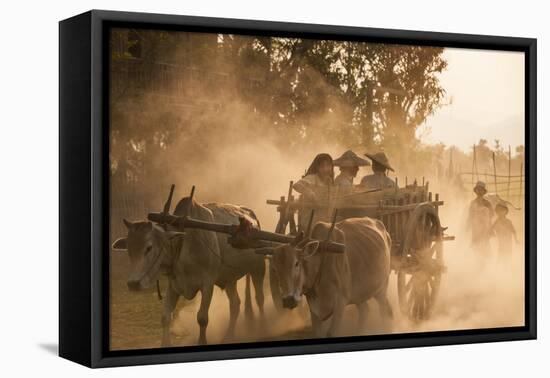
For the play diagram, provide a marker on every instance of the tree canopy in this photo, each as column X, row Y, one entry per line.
column 296, row 91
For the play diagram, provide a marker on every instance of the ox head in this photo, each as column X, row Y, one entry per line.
column 148, row 247
column 293, row 265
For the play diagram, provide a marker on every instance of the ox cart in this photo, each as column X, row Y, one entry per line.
column 410, row 215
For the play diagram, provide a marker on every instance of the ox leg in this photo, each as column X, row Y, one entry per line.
column 169, row 305
column 385, row 307
column 275, row 289
column 248, row 313
column 316, row 325
column 336, row 322
column 202, row 315
column 363, row 309
column 386, row 311
column 258, row 281
column 234, row 309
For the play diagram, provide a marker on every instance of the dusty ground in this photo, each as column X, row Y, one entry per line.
column 475, row 294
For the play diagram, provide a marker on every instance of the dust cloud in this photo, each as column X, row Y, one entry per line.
column 234, row 155
column 476, row 292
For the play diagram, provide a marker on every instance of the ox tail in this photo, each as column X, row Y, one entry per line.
column 248, row 313
column 159, row 294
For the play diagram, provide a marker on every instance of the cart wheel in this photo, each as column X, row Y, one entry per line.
column 275, row 290
column 419, row 274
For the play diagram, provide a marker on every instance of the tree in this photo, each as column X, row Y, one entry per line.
column 295, row 91
column 319, row 77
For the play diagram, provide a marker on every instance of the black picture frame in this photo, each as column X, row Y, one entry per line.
column 84, row 189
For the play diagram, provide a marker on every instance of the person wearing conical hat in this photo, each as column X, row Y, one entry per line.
column 378, row 179
column 349, row 164
column 479, row 219
column 504, row 230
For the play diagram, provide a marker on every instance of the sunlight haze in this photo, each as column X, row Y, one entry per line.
column 486, row 94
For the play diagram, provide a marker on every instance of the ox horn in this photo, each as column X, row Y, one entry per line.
column 297, row 239
column 191, row 195
column 168, row 204
column 165, row 212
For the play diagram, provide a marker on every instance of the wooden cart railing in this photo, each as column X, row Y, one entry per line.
column 392, row 206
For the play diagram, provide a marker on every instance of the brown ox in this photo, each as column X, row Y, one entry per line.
column 194, row 263
column 330, row 281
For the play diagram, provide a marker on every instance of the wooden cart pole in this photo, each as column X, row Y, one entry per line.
column 309, row 224
column 520, row 201
column 289, row 213
column 495, row 173
column 334, row 215
column 284, row 211
column 290, row 190
column 521, row 186
column 509, row 171
column 293, row 229
column 474, row 165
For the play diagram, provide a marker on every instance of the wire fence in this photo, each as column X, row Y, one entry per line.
column 129, row 200
column 508, row 186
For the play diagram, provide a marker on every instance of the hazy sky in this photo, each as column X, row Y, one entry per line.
column 487, row 93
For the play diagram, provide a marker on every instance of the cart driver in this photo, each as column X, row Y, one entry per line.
column 378, row 179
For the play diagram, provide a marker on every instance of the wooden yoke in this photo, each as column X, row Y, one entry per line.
column 243, row 236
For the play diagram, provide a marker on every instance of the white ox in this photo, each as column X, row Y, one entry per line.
column 194, row 261
column 331, row 281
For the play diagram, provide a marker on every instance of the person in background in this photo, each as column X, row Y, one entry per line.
column 479, row 219
column 378, row 179
column 504, row 230
column 318, row 179
column 349, row 164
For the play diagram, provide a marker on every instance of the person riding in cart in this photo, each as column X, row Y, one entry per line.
column 318, row 179
column 349, row 164
column 315, row 188
column 378, row 179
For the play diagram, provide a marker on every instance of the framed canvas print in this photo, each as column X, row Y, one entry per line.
column 234, row 188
